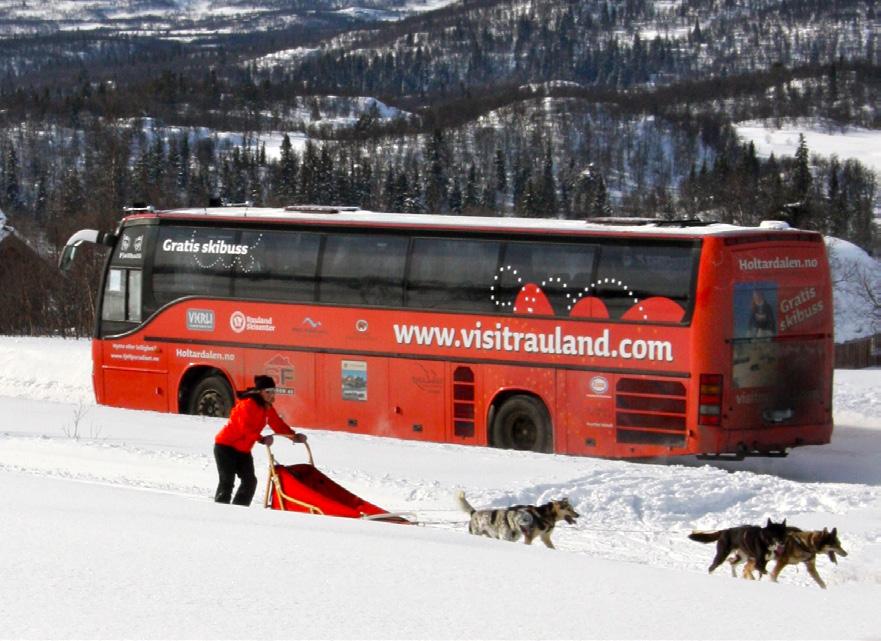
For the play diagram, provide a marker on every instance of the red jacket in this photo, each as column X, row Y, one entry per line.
column 246, row 421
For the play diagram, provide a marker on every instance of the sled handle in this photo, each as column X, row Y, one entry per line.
column 305, row 443
column 309, row 452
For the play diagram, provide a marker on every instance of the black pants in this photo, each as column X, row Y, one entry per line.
column 230, row 464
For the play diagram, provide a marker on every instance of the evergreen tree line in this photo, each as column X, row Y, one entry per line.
column 609, row 44
column 55, row 182
column 93, row 175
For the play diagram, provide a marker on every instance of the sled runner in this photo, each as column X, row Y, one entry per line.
column 303, row 488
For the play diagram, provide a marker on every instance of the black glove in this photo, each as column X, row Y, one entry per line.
column 266, row 440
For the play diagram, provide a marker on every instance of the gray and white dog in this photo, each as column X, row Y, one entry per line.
column 509, row 523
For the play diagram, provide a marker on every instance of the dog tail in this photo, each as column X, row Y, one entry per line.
column 705, row 537
column 465, row 505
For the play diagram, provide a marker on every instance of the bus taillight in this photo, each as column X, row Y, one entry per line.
column 710, row 403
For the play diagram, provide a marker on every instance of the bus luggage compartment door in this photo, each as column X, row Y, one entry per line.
column 416, row 398
column 355, row 394
column 588, row 408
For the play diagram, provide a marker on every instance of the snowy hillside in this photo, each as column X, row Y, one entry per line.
column 854, row 275
column 845, row 142
column 109, row 531
column 188, row 19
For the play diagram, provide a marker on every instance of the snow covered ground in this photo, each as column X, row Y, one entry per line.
column 109, row 531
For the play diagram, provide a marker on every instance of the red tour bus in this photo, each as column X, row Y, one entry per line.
column 563, row 336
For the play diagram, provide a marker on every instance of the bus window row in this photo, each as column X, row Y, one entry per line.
column 553, row 278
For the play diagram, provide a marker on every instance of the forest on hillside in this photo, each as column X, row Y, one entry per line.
column 539, row 108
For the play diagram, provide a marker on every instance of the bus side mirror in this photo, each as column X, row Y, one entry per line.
column 66, row 259
column 83, row 236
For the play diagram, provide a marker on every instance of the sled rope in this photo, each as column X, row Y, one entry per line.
column 578, row 529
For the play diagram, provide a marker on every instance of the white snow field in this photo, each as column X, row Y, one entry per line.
column 108, row 530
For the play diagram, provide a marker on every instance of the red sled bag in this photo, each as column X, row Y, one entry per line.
column 303, row 488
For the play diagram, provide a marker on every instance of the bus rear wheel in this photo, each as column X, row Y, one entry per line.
column 211, row 396
column 522, row 423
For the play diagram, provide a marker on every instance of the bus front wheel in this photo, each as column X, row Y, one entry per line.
column 211, row 396
column 522, row 423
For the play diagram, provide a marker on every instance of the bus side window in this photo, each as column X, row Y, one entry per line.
column 556, row 269
column 133, row 312
column 452, row 274
column 122, row 295
column 187, row 263
column 279, row 266
column 361, row 269
column 630, row 273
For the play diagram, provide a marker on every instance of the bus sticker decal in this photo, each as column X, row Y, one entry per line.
column 599, row 385
column 135, row 244
column 189, row 354
column 310, row 326
column 354, row 380
column 200, row 320
column 428, row 380
column 755, row 309
column 557, row 342
column 284, row 372
column 239, row 322
column 799, row 308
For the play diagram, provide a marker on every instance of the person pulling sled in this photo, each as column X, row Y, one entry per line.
column 233, row 444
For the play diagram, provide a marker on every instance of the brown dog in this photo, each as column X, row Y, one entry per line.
column 803, row 547
column 751, row 543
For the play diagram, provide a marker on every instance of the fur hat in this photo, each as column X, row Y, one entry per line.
column 263, row 382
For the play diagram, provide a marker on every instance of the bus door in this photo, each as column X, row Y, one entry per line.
column 781, row 354
column 128, row 372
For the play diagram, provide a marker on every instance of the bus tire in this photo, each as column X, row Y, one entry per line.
column 211, row 396
column 522, row 423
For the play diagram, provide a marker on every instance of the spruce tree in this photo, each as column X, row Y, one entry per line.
column 436, row 155
column 802, row 174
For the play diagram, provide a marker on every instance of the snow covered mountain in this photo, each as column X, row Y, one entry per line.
column 189, row 19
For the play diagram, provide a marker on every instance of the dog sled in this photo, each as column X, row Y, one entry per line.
column 303, row 488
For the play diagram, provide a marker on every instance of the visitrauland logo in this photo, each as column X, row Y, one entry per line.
column 200, row 320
